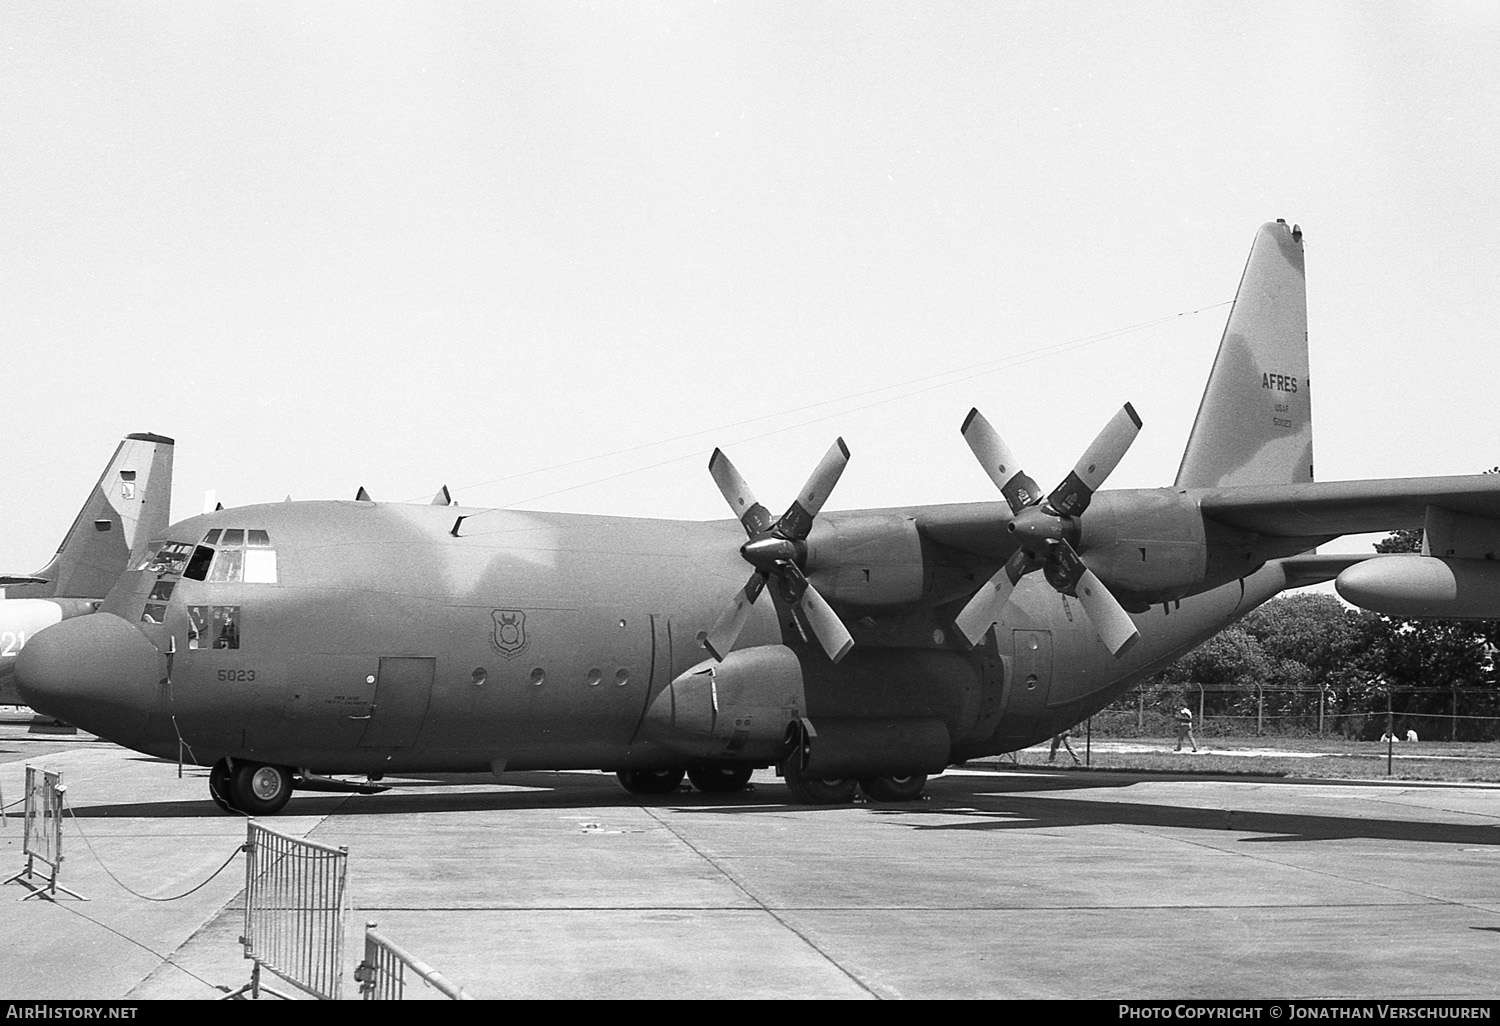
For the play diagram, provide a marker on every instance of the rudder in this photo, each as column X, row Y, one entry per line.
column 1254, row 424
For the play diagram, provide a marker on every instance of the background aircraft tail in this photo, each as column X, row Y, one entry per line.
column 1254, row 425
column 130, row 504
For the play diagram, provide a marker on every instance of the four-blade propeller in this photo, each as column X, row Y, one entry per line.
column 1048, row 527
column 777, row 549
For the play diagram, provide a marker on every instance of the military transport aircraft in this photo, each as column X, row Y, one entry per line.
column 285, row 645
column 127, row 508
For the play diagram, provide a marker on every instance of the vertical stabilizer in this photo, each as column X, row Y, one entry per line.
column 130, row 504
column 1254, row 424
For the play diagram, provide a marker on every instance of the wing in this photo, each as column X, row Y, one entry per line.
column 1154, row 545
column 1350, row 507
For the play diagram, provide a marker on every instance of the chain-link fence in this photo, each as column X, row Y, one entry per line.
column 1432, row 714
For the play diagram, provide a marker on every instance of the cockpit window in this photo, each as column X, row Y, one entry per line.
column 229, row 565
column 241, row 555
column 197, row 568
column 165, row 558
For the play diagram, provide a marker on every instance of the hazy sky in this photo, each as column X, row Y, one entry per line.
column 551, row 254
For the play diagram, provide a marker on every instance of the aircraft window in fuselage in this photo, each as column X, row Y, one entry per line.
column 233, row 536
column 161, row 591
column 212, row 537
column 226, row 626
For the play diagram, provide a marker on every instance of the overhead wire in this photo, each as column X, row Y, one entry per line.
column 950, row 377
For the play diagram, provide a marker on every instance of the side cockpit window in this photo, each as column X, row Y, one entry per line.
column 165, row 558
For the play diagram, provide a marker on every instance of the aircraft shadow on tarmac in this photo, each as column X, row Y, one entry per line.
column 991, row 809
column 979, row 802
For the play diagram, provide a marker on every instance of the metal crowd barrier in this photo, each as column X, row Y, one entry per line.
column 42, row 837
column 295, row 912
column 382, row 975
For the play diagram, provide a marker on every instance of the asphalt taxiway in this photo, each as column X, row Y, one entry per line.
column 1004, row 883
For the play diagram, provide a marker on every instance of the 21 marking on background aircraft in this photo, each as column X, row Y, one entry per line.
column 284, row 644
column 128, row 507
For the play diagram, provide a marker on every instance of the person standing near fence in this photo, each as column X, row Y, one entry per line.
column 1060, row 740
column 1184, row 718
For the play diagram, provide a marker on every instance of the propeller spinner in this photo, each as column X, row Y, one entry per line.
column 777, row 549
column 1047, row 529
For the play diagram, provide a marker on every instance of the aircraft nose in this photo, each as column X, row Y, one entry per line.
column 95, row 671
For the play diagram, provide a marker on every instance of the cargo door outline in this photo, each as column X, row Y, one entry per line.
column 403, row 689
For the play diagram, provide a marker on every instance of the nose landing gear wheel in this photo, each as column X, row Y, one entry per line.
column 906, row 787
column 650, row 781
column 260, row 789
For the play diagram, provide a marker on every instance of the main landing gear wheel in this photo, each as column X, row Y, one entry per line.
column 720, row 779
column 650, row 781
column 904, row 787
column 219, row 786
column 259, row 789
column 817, row 790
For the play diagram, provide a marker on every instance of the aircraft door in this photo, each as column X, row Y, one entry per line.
column 1026, row 696
column 402, row 691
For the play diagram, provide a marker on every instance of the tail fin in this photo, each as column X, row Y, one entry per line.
column 130, row 504
column 1254, row 424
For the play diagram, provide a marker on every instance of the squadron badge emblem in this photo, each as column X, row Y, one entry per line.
column 509, row 635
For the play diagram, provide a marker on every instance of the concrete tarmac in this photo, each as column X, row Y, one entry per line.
column 1002, row 884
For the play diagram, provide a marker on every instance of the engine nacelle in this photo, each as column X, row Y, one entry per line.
column 1148, row 543
column 869, row 561
column 738, row 709
column 1417, row 586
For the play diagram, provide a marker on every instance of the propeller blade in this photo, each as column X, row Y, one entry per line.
column 1109, row 618
column 774, row 550
column 755, row 517
column 983, row 610
column 726, row 629
column 999, row 463
column 796, row 522
column 1073, row 496
column 825, row 623
column 1104, row 611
